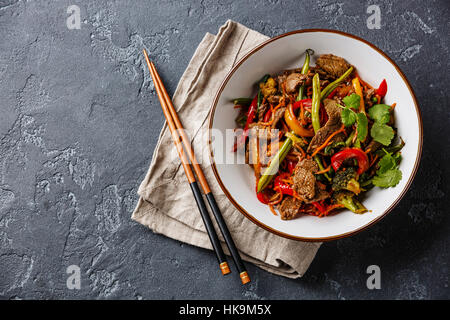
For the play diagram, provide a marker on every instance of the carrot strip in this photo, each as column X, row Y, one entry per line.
column 324, row 170
column 303, row 154
column 373, row 160
column 342, row 129
column 324, row 163
column 297, row 196
column 288, row 181
column 276, row 201
column 329, row 209
column 272, row 118
column 273, row 211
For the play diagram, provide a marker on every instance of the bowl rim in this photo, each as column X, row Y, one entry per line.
column 268, row 228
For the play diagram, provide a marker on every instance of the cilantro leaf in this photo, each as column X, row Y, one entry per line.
column 380, row 113
column 348, row 117
column 397, row 157
column 352, row 101
column 362, row 123
column 388, row 162
column 387, row 179
column 382, row 133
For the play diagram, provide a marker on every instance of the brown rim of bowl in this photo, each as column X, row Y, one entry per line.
column 282, row 234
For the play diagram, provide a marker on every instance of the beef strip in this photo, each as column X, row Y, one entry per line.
column 274, row 100
column 294, row 81
column 305, row 183
column 333, row 65
column 368, row 98
column 279, row 114
column 280, row 79
column 289, row 208
column 323, row 75
column 262, row 111
column 308, row 164
column 304, row 179
column 333, row 124
column 320, row 195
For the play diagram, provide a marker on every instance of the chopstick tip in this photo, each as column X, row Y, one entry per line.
column 244, row 277
column 224, row 268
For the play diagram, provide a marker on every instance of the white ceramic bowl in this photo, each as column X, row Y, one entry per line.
column 287, row 51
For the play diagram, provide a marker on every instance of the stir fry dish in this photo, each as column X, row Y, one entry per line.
column 317, row 138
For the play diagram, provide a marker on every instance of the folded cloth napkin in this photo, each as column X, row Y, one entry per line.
column 166, row 203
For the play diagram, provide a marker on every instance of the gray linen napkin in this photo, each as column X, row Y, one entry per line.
column 166, row 204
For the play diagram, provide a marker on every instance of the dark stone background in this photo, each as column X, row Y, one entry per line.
column 79, row 122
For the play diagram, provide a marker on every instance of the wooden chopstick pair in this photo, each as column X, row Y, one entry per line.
column 180, row 139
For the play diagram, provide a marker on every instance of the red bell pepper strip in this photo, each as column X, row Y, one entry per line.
column 306, row 103
column 267, row 116
column 382, row 89
column 331, row 95
column 284, row 188
column 262, row 196
column 251, row 114
column 319, row 207
column 338, row 158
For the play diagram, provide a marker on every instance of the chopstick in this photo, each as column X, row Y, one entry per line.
column 221, row 258
column 174, row 121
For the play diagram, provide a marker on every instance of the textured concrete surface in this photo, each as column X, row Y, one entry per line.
column 79, row 121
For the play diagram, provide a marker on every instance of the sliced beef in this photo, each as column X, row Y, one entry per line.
column 279, row 114
column 305, row 183
column 333, row 65
column 333, row 124
column 308, row 164
column 294, row 81
column 280, row 79
column 304, row 179
column 368, row 97
column 274, row 100
column 320, row 195
column 262, row 111
column 289, row 208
